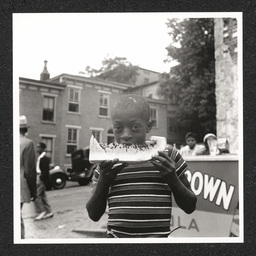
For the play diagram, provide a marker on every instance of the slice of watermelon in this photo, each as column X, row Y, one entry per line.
column 132, row 153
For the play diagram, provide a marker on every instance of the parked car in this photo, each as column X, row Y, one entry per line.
column 58, row 178
column 82, row 169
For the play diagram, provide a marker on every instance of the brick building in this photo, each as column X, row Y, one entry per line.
column 146, row 76
column 64, row 111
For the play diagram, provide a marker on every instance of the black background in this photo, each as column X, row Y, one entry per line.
column 7, row 247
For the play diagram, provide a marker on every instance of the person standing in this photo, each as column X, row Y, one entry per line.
column 42, row 169
column 28, row 191
column 209, row 137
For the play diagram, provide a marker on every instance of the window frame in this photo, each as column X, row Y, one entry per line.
column 107, row 95
column 73, row 101
column 97, row 129
column 156, row 118
column 73, row 127
column 110, row 135
column 146, row 80
column 48, row 95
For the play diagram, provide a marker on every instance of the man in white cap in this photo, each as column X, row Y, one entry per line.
column 27, row 169
column 210, row 142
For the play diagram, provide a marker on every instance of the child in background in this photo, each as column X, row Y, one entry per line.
column 139, row 195
column 192, row 148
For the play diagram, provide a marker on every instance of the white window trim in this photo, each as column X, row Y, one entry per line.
column 78, row 131
column 49, row 94
column 96, row 128
column 55, row 99
column 99, row 130
column 73, row 126
column 53, row 137
column 157, row 109
column 106, row 93
column 79, row 98
column 75, row 86
column 47, row 135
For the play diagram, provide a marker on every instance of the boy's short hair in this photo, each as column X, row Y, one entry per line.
column 192, row 135
column 136, row 102
column 42, row 145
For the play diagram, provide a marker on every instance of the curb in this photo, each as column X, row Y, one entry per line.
column 99, row 233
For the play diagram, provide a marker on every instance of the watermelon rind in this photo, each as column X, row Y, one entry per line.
column 128, row 154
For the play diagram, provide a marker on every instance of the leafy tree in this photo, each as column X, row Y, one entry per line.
column 116, row 69
column 192, row 80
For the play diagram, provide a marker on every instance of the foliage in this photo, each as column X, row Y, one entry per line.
column 193, row 79
column 116, row 69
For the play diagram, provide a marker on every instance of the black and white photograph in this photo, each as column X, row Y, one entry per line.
column 131, row 127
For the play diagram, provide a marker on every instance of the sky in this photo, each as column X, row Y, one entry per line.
column 72, row 41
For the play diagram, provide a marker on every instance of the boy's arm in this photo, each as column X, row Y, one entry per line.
column 96, row 205
column 184, row 196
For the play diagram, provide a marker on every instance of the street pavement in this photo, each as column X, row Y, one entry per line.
column 70, row 218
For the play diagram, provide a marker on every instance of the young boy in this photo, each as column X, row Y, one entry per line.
column 192, row 148
column 139, row 195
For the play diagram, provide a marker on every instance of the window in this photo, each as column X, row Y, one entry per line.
column 110, row 136
column 73, row 100
column 146, row 80
column 48, row 108
column 97, row 133
column 49, row 146
column 104, row 104
column 72, row 140
column 153, row 116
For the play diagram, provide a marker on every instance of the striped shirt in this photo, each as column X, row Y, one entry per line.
column 140, row 201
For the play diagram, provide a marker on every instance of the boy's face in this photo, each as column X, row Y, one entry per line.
column 191, row 142
column 130, row 127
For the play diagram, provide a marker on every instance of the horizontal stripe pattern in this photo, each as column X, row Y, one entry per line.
column 140, row 201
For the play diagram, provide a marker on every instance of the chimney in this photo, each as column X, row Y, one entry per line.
column 45, row 75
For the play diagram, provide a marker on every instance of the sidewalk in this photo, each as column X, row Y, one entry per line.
column 64, row 224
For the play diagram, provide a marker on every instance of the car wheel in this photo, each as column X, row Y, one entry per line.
column 58, row 181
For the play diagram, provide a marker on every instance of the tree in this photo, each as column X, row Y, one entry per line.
column 116, row 69
column 193, row 79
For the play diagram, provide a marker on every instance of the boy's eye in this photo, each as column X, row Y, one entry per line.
column 135, row 127
column 117, row 128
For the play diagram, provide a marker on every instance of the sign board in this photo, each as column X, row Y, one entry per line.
column 214, row 180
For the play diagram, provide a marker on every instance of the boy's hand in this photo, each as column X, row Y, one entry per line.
column 165, row 165
column 108, row 170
